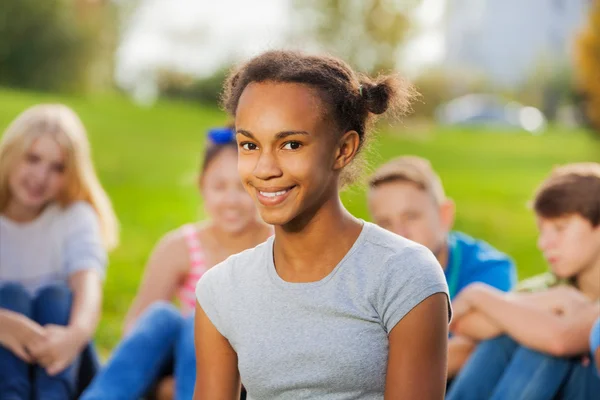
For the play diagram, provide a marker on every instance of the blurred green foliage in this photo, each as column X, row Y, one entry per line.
column 56, row 45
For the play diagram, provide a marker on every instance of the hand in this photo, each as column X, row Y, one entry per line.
column 466, row 299
column 58, row 348
column 19, row 333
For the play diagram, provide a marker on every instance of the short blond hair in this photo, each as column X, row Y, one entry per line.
column 412, row 169
column 63, row 125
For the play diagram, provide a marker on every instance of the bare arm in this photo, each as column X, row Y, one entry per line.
column 217, row 375
column 476, row 325
column 459, row 350
column 534, row 327
column 86, row 286
column 166, row 268
column 17, row 332
column 418, row 352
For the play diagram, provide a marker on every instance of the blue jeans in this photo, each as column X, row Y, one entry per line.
column 502, row 369
column 160, row 335
column 20, row 380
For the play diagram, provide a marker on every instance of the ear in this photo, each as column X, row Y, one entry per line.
column 346, row 149
column 447, row 214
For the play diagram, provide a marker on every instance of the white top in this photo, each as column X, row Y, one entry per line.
column 47, row 250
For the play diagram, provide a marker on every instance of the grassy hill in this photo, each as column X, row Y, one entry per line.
column 147, row 159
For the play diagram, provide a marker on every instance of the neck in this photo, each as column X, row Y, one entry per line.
column 588, row 281
column 19, row 213
column 311, row 248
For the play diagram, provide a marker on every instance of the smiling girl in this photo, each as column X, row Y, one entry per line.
column 331, row 307
column 56, row 224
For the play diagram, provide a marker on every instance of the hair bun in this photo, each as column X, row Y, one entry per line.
column 376, row 96
column 385, row 92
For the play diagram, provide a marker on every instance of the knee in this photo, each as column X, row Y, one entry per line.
column 504, row 342
column 13, row 290
column 52, row 305
column 163, row 315
column 58, row 293
column 186, row 336
column 14, row 297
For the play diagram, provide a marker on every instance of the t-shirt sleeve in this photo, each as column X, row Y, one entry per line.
column 499, row 273
column 83, row 246
column 407, row 279
column 212, row 305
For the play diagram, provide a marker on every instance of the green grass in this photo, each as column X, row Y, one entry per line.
column 147, row 159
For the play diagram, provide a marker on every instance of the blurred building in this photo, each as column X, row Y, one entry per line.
column 506, row 40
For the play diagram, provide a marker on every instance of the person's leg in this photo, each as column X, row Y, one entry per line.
column 89, row 367
column 532, row 375
column 15, row 380
column 163, row 386
column 52, row 305
column 185, row 362
column 139, row 358
column 583, row 383
column 480, row 375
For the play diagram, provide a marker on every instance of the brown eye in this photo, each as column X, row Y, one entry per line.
column 32, row 158
column 58, row 168
column 292, row 145
column 248, row 146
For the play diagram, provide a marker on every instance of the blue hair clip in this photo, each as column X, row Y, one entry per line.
column 221, row 135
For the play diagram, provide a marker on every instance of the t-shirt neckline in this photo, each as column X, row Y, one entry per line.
column 278, row 281
column 29, row 224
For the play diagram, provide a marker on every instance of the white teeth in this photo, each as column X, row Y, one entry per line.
column 273, row 194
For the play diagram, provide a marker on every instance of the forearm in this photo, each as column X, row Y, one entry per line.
column 476, row 326
column 459, row 350
column 7, row 318
column 87, row 303
column 528, row 324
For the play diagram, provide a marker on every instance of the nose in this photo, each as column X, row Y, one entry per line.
column 41, row 173
column 267, row 166
column 234, row 196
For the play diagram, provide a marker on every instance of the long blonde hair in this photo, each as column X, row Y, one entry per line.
column 82, row 183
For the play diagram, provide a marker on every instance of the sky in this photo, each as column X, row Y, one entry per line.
column 198, row 36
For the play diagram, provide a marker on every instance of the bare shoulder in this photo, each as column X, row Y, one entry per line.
column 172, row 250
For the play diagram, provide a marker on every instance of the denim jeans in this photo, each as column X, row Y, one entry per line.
column 502, row 369
column 160, row 336
column 22, row 381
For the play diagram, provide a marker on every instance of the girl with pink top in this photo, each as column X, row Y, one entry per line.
column 156, row 357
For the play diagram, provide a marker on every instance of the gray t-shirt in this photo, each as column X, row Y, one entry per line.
column 320, row 340
column 49, row 249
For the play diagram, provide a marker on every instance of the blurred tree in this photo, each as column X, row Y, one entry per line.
column 55, row 44
column 205, row 90
column 588, row 68
column 366, row 33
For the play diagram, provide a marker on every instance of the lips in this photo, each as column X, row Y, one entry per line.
column 273, row 196
column 34, row 192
